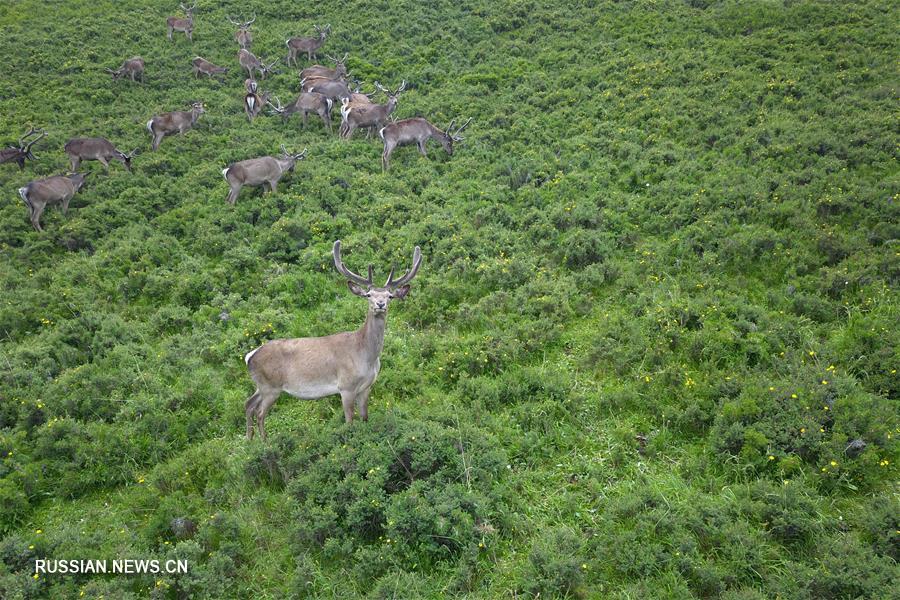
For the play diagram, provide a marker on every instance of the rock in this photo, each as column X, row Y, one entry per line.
column 855, row 448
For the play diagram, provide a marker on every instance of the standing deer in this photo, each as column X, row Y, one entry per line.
column 372, row 115
column 250, row 62
column 307, row 102
column 52, row 190
column 339, row 72
column 344, row 363
column 204, row 67
column 254, row 101
column 171, row 123
column 133, row 67
column 336, row 90
column 243, row 36
column 23, row 150
column 310, row 45
column 186, row 25
column 416, row 131
column 259, row 171
column 101, row 149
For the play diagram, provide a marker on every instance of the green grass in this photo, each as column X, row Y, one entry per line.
column 658, row 302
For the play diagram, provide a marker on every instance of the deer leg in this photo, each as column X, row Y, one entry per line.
column 76, row 162
column 326, row 118
column 105, row 164
column 274, row 185
column 36, row 212
column 170, row 33
column 347, row 401
column 362, row 403
column 265, row 402
column 233, row 194
column 386, row 157
column 65, row 204
column 305, row 114
column 250, row 411
column 156, row 140
column 421, row 146
column 189, row 34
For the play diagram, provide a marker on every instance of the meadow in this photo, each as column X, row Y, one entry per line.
column 652, row 350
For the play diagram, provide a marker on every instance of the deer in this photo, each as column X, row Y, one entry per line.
column 335, row 90
column 296, row 45
column 98, row 148
column 52, row 190
column 416, row 131
column 339, row 72
column 186, row 25
column 259, row 171
column 307, row 102
column 171, row 123
column 343, row 363
column 133, row 67
column 243, row 36
column 372, row 115
column 254, row 100
column 204, row 67
column 250, row 62
column 23, row 150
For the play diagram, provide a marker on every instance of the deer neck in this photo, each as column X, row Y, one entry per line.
column 372, row 334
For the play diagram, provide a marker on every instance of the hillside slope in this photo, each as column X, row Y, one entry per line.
column 652, row 350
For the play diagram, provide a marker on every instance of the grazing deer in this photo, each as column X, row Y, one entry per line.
column 339, row 72
column 243, row 36
column 372, row 115
column 296, row 45
column 307, row 102
column 254, row 101
column 336, row 90
column 52, row 190
column 259, row 171
column 416, row 131
column 186, row 25
column 204, row 67
column 133, row 67
column 101, row 149
column 344, row 363
column 250, row 62
column 171, row 123
column 23, row 150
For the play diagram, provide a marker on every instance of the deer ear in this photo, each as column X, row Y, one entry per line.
column 356, row 289
column 401, row 292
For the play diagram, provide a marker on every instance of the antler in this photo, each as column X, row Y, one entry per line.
column 455, row 135
column 278, row 109
column 248, row 23
column 339, row 265
column 408, row 276
column 401, row 88
column 26, row 148
column 300, row 156
column 382, row 88
column 232, row 21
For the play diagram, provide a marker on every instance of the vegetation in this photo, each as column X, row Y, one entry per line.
column 652, row 350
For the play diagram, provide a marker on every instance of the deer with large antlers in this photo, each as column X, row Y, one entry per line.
column 306, row 103
column 171, row 123
column 373, row 115
column 100, row 149
column 310, row 45
column 417, row 131
column 339, row 72
column 53, row 190
column 185, row 25
column 344, row 363
column 250, row 62
column 243, row 36
column 23, row 150
column 204, row 67
column 132, row 68
column 259, row 171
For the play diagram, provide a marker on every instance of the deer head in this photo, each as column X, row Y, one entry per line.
column 25, row 146
column 379, row 297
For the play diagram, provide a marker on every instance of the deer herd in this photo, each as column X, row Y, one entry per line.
column 343, row 363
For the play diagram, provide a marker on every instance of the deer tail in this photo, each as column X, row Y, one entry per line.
column 250, row 355
column 225, row 175
column 23, row 192
column 381, row 132
column 150, row 125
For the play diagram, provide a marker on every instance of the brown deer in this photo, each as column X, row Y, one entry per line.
column 186, row 25
column 100, row 149
column 339, row 72
column 336, row 90
column 259, row 171
column 243, row 36
column 133, row 67
column 171, row 123
column 250, row 62
column 343, row 363
column 372, row 115
column 23, row 150
column 204, row 67
column 416, row 131
column 307, row 102
column 52, row 190
column 254, row 100
column 310, row 45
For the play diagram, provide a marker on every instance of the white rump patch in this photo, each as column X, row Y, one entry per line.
column 150, row 125
column 22, row 192
column 225, row 175
column 381, row 132
column 252, row 352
